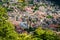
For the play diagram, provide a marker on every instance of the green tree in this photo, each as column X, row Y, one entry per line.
column 22, row 5
column 45, row 34
column 7, row 30
column 49, row 16
column 4, row 0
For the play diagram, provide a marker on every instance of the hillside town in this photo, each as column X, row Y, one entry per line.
column 33, row 13
column 29, row 20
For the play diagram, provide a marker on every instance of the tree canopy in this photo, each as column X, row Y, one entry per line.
column 7, row 31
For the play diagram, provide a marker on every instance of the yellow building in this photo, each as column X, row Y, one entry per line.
column 21, row 0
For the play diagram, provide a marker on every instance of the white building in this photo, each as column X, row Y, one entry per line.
column 13, row 1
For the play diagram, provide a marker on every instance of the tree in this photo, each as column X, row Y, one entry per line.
column 45, row 34
column 4, row 0
column 22, row 5
column 7, row 30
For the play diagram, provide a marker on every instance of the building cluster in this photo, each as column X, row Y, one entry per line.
column 46, row 16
